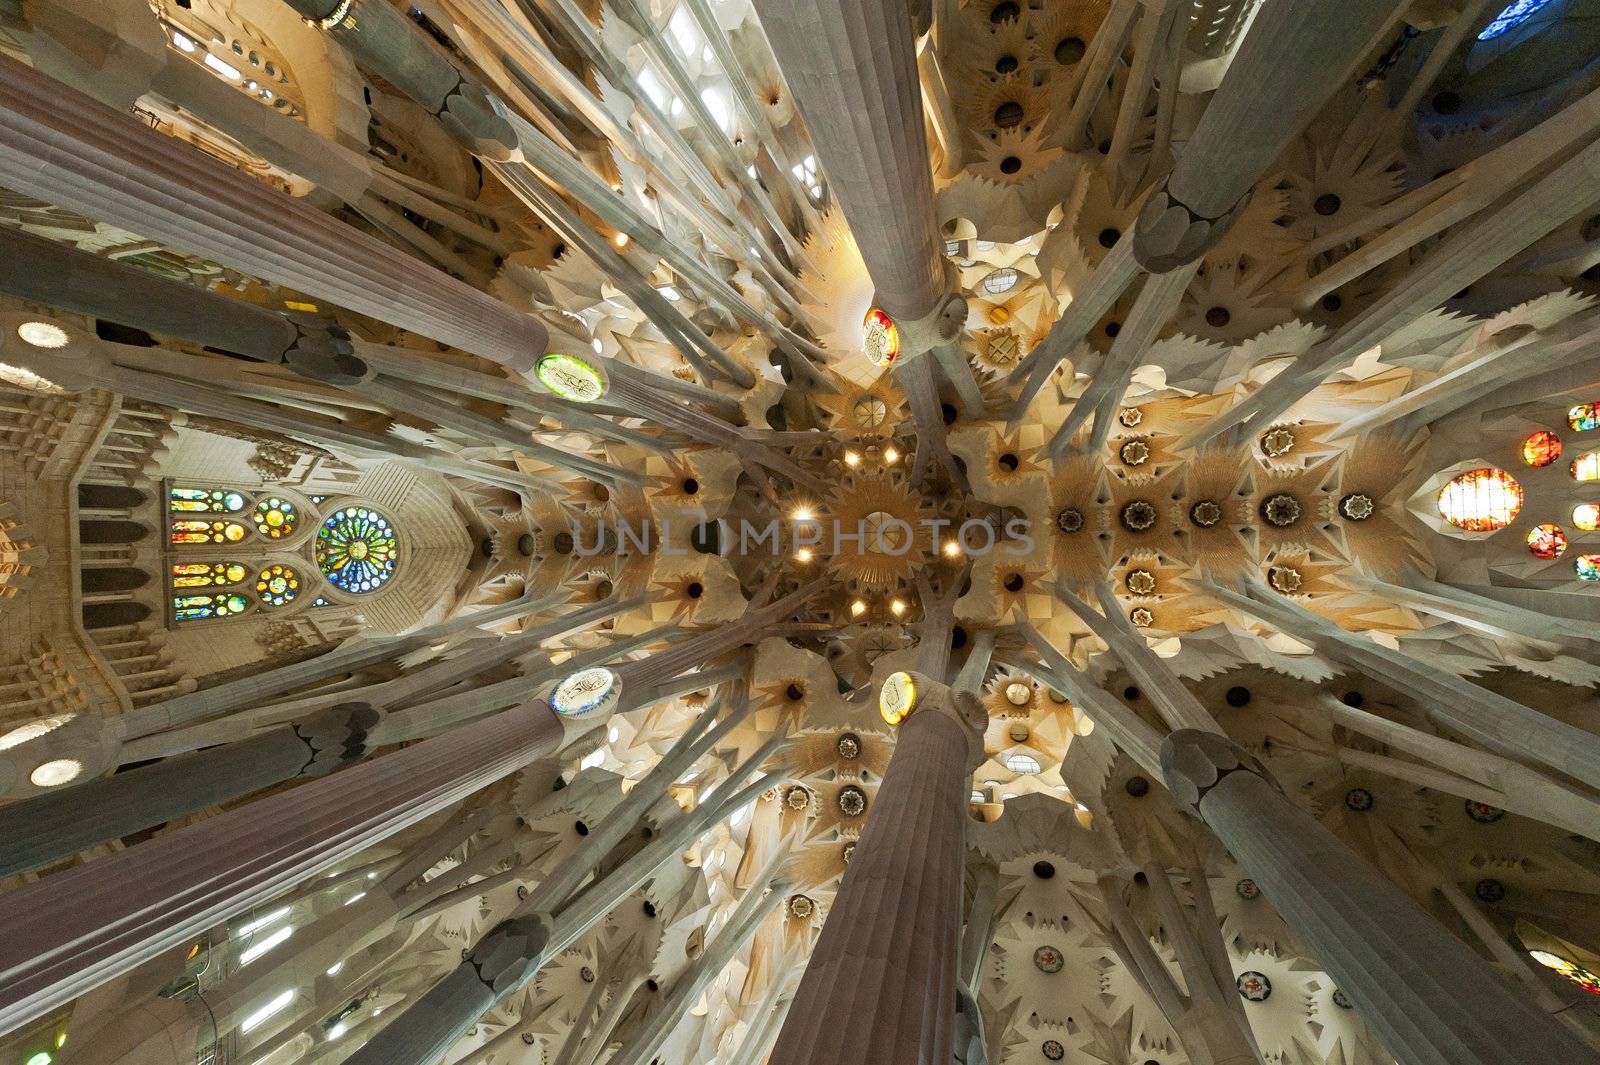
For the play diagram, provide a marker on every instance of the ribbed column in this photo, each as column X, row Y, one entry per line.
column 58, row 824
column 1429, row 998
column 63, row 147
column 852, row 67
column 65, row 934
column 881, row 985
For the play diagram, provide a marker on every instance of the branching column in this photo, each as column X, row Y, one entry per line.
column 1429, row 998
column 852, row 66
column 882, row 982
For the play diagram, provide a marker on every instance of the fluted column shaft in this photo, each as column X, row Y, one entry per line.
column 70, row 932
column 1429, row 998
column 881, row 985
column 64, row 147
column 852, row 67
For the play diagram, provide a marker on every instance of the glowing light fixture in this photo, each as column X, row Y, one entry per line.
column 851, row 458
column 952, row 548
column 586, row 691
column 255, row 950
column 879, row 338
column 858, row 608
column 570, row 378
column 56, row 772
column 897, row 698
column 891, row 456
column 897, row 607
column 43, row 335
column 803, row 555
column 261, row 1016
column 1481, row 500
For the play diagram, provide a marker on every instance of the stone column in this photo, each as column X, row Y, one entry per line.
column 1429, row 998
column 58, row 824
column 68, row 933
column 881, row 985
column 63, row 147
column 852, row 66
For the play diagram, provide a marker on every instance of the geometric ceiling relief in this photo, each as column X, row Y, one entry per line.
column 799, row 532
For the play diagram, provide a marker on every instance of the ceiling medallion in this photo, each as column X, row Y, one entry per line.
column 1130, row 416
column 1284, row 579
column 852, row 801
column 1137, row 786
column 1342, row 1000
column 1053, row 1050
column 570, row 378
column 1140, row 582
column 1253, row 986
column 1247, row 890
column 1134, row 453
column 849, row 746
column 1282, row 510
column 1206, row 513
column 802, row 907
column 1275, row 443
column 1018, row 693
column 1359, row 799
column 1069, row 520
column 1357, row 506
column 847, row 852
column 797, row 797
column 1490, row 890
column 1048, row 959
column 1142, row 617
column 1139, row 515
column 586, row 691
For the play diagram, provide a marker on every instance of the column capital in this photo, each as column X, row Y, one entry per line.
column 1193, row 762
column 335, row 737
column 1170, row 234
column 909, row 693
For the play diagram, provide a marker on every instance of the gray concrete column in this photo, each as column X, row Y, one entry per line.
column 881, row 985
column 68, row 149
column 68, row 933
column 852, row 67
column 1429, row 998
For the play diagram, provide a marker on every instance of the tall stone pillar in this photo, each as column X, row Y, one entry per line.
column 1429, row 998
column 852, row 66
column 881, row 987
column 67, row 933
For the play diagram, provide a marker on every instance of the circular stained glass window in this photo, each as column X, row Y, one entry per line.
column 1513, row 15
column 1547, row 541
column 1002, row 280
column 1584, row 417
column 1541, row 448
column 356, row 549
column 1588, row 567
column 1481, row 500
column 1586, row 516
column 277, row 585
column 276, row 518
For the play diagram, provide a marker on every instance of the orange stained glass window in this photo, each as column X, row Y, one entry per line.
column 1547, row 541
column 1541, row 448
column 1481, row 500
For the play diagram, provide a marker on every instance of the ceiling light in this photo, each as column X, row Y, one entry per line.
column 858, row 608
column 803, row 555
column 851, row 458
column 56, row 772
column 43, row 334
column 265, row 1013
column 897, row 607
column 952, row 548
column 891, row 456
column 256, row 950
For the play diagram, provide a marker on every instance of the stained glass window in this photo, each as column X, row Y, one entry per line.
column 1481, row 500
column 276, row 585
column 1002, row 280
column 1570, row 969
column 1541, row 448
column 1022, row 763
column 1514, row 14
column 356, row 549
column 207, row 574
column 1547, row 541
column 1586, row 516
column 1588, row 567
column 196, row 607
column 1586, row 467
column 275, row 518
column 205, row 500
column 195, row 531
column 1584, row 416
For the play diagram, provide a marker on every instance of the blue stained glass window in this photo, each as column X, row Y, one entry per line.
column 356, row 549
column 1515, row 14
